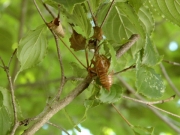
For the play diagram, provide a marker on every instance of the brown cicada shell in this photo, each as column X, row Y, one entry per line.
column 101, row 67
column 56, row 27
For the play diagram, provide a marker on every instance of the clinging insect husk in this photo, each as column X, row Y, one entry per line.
column 56, row 27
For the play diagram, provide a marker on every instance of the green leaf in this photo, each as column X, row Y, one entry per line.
column 80, row 20
column 5, row 121
column 69, row 4
column 94, row 5
column 150, row 56
column 111, row 96
column 148, row 82
column 121, row 23
column 71, row 120
column 6, row 111
column 52, row 3
column 146, row 19
column 32, row 48
column 168, row 8
column 136, row 4
column 6, row 100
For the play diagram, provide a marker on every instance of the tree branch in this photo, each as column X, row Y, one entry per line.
column 164, row 118
column 56, row 106
column 124, row 48
column 110, row 7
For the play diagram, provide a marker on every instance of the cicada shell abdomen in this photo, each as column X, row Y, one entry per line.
column 106, row 80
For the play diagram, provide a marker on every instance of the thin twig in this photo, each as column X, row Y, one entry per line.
column 58, row 52
column 59, row 37
column 12, row 57
column 61, row 66
column 124, row 48
column 16, row 123
column 59, row 127
column 47, row 8
column 169, row 80
column 167, row 77
column 122, row 116
column 164, row 118
column 173, row 63
column 39, row 12
column 131, row 67
column 58, row 16
column 152, row 102
column 172, row 114
column 72, row 52
column 93, row 17
column 87, row 60
column 110, row 7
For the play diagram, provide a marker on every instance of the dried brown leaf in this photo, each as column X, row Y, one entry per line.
column 78, row 42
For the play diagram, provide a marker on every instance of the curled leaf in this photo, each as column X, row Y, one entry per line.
column 97, row 33
column 56, row 27
column 111, row 96
column 78, row 42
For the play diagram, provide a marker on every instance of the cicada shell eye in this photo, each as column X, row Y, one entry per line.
column 56, row 27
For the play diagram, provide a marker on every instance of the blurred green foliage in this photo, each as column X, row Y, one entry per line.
column 35, row 86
